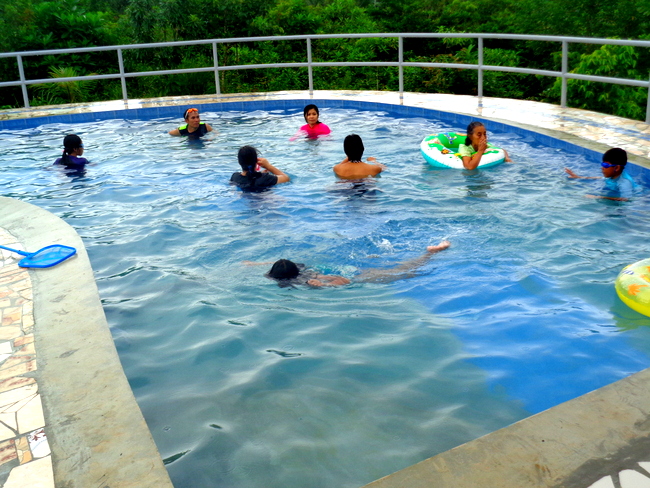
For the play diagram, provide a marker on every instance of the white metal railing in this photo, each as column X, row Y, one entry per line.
column 310, row 64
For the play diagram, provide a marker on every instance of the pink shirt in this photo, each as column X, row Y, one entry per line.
column 319, row 129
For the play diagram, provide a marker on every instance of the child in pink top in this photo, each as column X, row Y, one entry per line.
column 313, row 128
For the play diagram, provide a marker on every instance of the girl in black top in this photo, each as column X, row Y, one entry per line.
column 251, row 178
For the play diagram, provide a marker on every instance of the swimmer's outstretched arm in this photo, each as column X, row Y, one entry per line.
column 328, row 280
column 616, row 199
column 256, row 263
column 573, row 175
column 403, row 270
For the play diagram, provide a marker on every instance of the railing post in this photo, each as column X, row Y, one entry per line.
column 565, row 69
column 309, row 68
column 647, row 110
column 216, row 70
column 23, row 85
column 480, row 68
column 120, row 60
column 401, row 70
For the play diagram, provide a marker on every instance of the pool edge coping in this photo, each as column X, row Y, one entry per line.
column 94, row 426
column 572, row 445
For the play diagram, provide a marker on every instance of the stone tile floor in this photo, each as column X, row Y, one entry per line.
column 25, row 459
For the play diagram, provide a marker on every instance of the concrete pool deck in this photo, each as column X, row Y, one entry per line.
column 68, row 417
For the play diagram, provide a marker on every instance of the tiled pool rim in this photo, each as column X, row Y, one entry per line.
column 96, row 431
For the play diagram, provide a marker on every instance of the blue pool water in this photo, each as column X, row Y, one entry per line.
column 245, row 384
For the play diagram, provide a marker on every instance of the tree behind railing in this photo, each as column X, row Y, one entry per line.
column 567, row 81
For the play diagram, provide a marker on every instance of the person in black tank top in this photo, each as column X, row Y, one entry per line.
column 193, row 127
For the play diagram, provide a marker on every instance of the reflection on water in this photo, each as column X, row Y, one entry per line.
column 478, row 183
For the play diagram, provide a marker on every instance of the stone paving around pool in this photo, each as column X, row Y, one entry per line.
column 25, row 459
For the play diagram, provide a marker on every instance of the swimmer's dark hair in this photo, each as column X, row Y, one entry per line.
column 353, row 147
column 247, row 157
column 470, row 131
column 71, row 143
column 186, row 113
column 308, row 108
column 615, row 156
column 284, row 269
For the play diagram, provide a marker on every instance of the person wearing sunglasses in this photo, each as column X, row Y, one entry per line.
column 193, row 127
column 73, row 149
column 619, row 185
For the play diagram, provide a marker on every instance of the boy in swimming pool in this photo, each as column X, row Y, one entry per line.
column 352, row 167
column 619, row 185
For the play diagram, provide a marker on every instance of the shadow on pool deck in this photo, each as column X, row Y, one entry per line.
column 96, row 432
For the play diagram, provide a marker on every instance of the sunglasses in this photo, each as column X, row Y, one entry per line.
column 607, row 165
column 190, row 110
column 81, row 146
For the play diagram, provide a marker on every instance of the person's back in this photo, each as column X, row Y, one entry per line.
column 356, row 169
column 352, row 167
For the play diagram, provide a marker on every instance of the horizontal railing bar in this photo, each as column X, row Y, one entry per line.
column 509, row 69
column 310, row 64
column 432, row 35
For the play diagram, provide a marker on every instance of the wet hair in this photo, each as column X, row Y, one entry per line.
column 308, row 108
column 470, row 131
column 283, row 269
column 247, row 157
column 615, row 156
column 353, row 147
column 71, row 143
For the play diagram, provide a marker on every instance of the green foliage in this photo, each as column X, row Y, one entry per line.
column 611, row 61
column 50, row 24
column 65, row 91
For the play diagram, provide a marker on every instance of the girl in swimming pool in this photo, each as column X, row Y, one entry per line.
column 193, row 127
column 251, row 176
column 288, row 273
column 73, row 148
column 475, row 145
column 314, row 127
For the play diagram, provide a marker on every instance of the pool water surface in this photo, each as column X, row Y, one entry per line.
column 246, row 384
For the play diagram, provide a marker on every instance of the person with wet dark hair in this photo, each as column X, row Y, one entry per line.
column 283, row 269
column 251, row 176
column 619, row 185
column 73, row 148
column 314, row 127
column 476, row 143
column 288, row 273
column 352, row 167
column 193, row 127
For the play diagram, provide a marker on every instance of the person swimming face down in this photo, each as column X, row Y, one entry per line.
column 284, row 269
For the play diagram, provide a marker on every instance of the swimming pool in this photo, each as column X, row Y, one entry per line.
column 246, row 384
